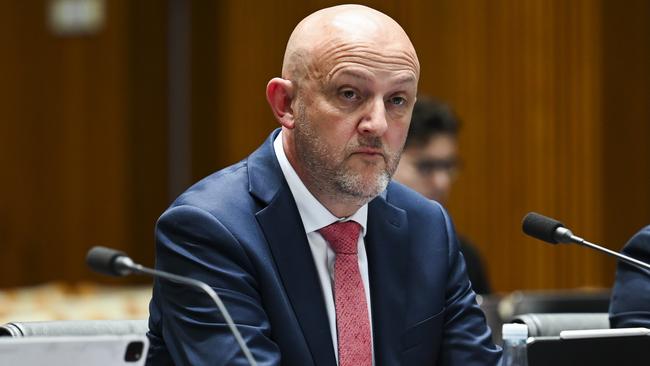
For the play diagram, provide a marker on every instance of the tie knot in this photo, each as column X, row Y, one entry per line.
column 342, row 236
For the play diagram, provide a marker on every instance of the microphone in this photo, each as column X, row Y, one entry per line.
column 552, row 231
column 546, row 229
column 115, row 263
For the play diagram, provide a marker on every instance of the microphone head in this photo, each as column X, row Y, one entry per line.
column 103, row 260
column 541, row 227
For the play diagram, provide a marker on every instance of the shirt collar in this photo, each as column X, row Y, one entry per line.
column 313, row 214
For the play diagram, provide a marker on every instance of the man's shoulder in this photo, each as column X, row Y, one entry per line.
column 411, row 201
column 639, row 245
column 222, row 184
column 642, row 236
column 223, row 194
column 235, row 187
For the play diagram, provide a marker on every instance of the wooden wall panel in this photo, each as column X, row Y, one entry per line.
column 66, row 111
column 526, row 79
column 626, row 119
column 147, row 151
column 73, row 143
column 553, row 95
column 251, row 47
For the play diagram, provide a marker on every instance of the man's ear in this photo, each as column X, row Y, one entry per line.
column 280, row 94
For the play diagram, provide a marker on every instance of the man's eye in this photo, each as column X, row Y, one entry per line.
column 397, row 100
column 349, row 94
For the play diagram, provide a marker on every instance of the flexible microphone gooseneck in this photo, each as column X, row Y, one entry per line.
column 115, row 263
column 552, row 231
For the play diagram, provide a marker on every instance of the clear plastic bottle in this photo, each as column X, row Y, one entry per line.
column 514, row 344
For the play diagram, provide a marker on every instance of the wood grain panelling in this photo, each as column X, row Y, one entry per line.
column 626, row 119
column 207, row 112
column 147, row 125
column 251, row 47
column 525, row 76
column 552, row 93
column 68, row 135
column 64, row 121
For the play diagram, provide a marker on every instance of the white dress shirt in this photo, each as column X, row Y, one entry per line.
column 314, row 217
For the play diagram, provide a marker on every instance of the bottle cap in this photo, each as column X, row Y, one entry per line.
column 514, row 331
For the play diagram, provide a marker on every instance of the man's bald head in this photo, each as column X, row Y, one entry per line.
column 325, row 34
column 349, row 82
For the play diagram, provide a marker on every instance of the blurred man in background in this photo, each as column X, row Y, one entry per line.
column 429, row 165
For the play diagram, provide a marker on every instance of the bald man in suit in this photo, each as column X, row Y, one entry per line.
column 255, row 231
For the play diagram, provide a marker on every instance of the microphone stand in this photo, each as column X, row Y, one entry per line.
column 645, row 267
column 124, row 265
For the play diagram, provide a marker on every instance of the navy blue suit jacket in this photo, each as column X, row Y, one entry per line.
column 630, row 305
column 239, row 231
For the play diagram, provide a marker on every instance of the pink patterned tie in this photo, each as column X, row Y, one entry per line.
column 352, row 321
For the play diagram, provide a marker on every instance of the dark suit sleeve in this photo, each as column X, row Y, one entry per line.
column 185, row 324
column 475, row 267
column 630, row 304
column 467, row 339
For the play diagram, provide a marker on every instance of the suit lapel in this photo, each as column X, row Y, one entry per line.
column 286, row 237
column 388, row 269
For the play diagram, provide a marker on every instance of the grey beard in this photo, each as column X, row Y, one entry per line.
column 352, row 186
column 337, row 181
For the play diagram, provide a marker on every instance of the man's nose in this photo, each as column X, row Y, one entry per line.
column 374, row 120
column 440, row 181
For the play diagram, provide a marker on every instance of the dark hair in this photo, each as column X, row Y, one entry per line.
column 430, row 118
